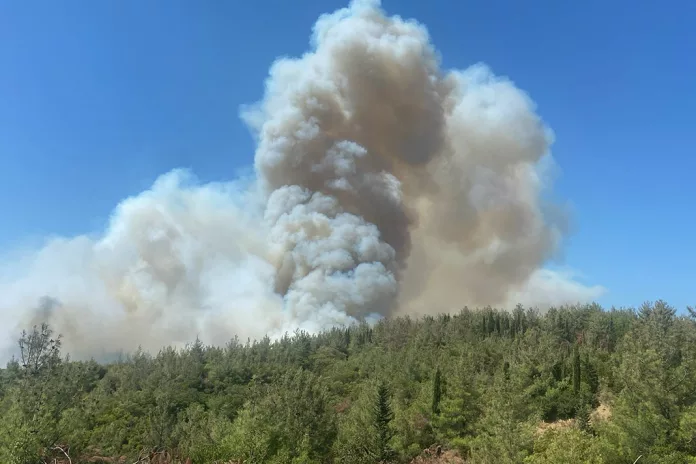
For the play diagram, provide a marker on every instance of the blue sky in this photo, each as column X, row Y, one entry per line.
column 98, row 98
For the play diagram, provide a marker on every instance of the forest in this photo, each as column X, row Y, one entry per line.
column 577, row 384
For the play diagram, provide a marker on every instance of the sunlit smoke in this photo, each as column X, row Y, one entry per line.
column 384, row 185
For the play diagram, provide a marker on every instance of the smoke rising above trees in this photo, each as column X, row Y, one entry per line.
column 383, row 185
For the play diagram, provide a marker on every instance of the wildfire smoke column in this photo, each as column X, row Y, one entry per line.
column 383, row 185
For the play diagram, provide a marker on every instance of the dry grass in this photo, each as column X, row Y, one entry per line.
column 602, row 413
column 557, row 425
column 436, row 455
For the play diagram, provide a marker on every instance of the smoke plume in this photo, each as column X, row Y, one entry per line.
column 383, row 185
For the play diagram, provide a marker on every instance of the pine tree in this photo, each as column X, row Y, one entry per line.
column 491, row 324
column 591, row 375
column 576, row 369
column 611, row 335
column 437, row 391
column 383, row 417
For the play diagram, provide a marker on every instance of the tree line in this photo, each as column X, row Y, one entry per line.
column 572, row 384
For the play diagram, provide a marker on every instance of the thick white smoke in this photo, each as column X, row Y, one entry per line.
column 384, row 185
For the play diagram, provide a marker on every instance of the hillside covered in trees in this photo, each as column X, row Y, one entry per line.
column 576, row 385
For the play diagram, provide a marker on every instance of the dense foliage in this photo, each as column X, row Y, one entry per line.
column 574, row 384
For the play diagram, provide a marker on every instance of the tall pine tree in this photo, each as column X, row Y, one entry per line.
column 383, row 417
column 576, row 369
column 437, row 392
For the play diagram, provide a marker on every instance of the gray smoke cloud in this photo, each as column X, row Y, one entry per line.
column 383, row 185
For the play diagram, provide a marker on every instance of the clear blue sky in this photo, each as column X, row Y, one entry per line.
column 97, row 98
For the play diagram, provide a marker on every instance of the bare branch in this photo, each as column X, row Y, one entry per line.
column 64, row 452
